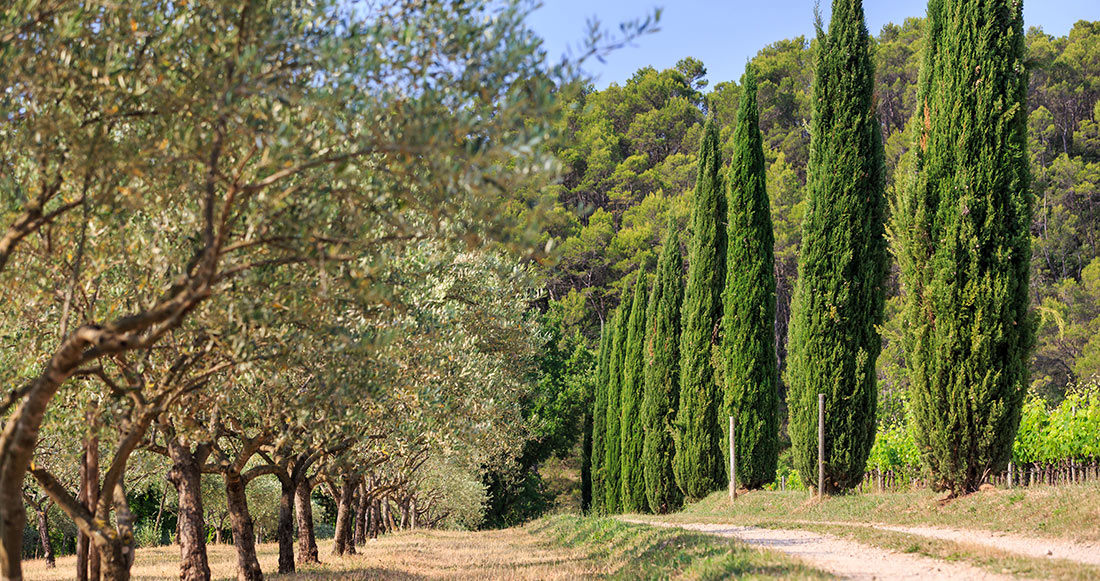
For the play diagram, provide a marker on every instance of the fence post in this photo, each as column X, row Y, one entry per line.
column 733, row 463
column 1010, row 474
column 821, row 446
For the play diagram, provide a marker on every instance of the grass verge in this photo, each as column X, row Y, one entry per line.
column 632, row 551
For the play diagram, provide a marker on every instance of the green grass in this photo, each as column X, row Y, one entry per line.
column 631, row 551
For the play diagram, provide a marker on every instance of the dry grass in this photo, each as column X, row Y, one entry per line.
column 509, row 554
column 562, row 547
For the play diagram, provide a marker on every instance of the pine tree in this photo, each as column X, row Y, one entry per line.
column 698, row 463
column 963, row 242
column 748, row 315
column 662, row 376
column 630, row 428
column 839, row 295
column 599, row 416
column 612, row 443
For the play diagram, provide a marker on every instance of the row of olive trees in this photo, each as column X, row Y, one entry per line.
column 191, row 194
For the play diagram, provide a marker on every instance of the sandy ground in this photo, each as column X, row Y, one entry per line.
column 845, row 558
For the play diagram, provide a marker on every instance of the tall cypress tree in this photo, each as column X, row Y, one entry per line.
column 599, row 416
column 748, row 315
column 630, row 428
column 662, row 376
column 612, row 443
column 698, row 463
column 963, row 244
column 838, row 298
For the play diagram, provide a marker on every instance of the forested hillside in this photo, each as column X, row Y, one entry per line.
column 630, row 155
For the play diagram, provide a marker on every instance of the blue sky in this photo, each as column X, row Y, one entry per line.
column 724, row 34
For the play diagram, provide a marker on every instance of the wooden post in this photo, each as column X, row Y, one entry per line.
column 1010, row 475
column 733, row 463
column 821, row 446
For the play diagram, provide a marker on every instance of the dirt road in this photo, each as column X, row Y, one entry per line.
column 843, row 558
column 1084, row 553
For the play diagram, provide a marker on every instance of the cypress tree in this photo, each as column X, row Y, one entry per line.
column 963, row 244
column 599, row 416
column 748, row 317
column 612, row 443
column 630, row 428
column 662, row 376
column 838, row 298
column 698, row 463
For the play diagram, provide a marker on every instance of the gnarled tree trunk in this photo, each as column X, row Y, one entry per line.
column 244, row 537
column 361, row 515
column 375, row 517
column 116, row 552
column 345, row 513
column 191, row 527
column 44, row 536
column 307, row 542
column 285, row 533
column 387, row 516
column 87, row 555
column 114, row 563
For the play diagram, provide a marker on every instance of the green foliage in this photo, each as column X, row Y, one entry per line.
column 963, row 243
column 1049, row 436
column 894, row 449
column 748, row 319
column 662, row 377
column 785, row 470
column 838, row 300
column 581, row 372
column 1070, row 431
column 612, row 468
column 599, row 416
column 1068, row 331
column 632, row 481
column 698, row 463
column 554, row 412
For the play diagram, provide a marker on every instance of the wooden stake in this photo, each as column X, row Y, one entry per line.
column 821, row 445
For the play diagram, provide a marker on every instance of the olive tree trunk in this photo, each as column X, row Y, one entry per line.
column 44, row 536
column 244, row 537
column 185, row 475
column 307, row 541
column 345, row 514
column 285, row 533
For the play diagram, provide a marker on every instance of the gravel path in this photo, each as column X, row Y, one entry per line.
column 844, row 558
column 1088, row 554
